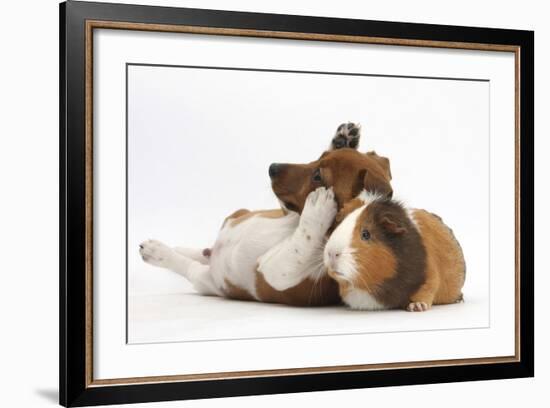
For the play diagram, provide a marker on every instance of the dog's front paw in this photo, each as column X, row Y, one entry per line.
column 156, row 253
column 347, row 135
column 319, row 210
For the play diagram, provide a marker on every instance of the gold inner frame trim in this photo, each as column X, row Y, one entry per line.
column 92, row 24
column 298, row 371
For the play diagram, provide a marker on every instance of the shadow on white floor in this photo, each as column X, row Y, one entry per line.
column 173, row 317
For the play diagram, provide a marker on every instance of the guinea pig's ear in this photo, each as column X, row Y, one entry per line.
column 376, row 183
column 391, row 225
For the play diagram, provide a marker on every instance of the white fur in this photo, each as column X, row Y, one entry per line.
column 338, row 254
column 161, row 255
column 369, row 197
column 237, row 249
column 410, row 213
column 362, row 300
column 297, row 257
column 193, row 253
column 277, row 247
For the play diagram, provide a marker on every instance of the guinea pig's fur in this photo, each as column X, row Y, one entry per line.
column 385, row 256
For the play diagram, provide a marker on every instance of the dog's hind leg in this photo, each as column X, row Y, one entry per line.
column 199, row 255
column 199, row 275
column 158, row 254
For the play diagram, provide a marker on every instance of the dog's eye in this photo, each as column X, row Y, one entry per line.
column 365, row 235
column 316, row 176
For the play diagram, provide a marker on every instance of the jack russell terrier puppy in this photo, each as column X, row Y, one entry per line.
column 277, row 255
column 385, row 256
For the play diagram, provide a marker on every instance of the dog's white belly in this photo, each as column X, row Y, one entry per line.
column 237, row 249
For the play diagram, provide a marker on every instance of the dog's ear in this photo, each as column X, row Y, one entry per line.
column 374, row 182
column 382, row 161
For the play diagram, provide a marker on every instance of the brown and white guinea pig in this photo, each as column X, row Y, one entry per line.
column 385, row 256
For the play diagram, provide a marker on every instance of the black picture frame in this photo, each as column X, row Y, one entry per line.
column 75, row 390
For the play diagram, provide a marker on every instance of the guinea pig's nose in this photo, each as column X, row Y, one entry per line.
column 274, row 169
column 333, row 256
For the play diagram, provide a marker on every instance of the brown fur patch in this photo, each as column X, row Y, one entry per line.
column 307, row 293
column 375, row 265
column 237, row 214
column 235, row 292
column 243, row 215
column 345, row 170
column 445, row 268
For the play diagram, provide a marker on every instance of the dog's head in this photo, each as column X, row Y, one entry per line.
column 346, row 170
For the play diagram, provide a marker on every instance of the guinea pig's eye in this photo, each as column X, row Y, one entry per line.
column 365, row 235
column 317, row 176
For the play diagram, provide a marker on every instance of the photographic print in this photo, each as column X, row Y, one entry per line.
column 256, row 203
column 249, row 186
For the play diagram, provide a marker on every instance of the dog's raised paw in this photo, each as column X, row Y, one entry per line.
column 319, row 210
column 347, row 135
column 155, row 252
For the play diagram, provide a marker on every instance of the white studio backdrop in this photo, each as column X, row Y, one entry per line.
column 33, row 295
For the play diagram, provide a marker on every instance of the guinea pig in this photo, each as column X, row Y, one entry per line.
column 385, row 256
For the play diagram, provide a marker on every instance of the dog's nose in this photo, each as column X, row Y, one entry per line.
column 274, row 169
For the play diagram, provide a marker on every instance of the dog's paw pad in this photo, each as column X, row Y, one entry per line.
column 347, row 135
column 155, row 252
column 320, row 209
column 417, row 307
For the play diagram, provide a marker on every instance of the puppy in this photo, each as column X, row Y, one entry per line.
column 277, row 255
column 346, row 170
column 385, row 256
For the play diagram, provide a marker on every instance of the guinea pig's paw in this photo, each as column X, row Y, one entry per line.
column 347, row 135
column 319, row 210
column 418, row 307
column 155, row 253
